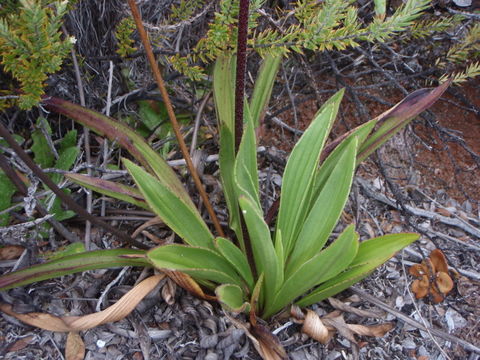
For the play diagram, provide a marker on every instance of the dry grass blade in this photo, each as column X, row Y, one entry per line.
column 118, row 311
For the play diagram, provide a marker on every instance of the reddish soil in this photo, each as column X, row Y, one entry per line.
column 421, row 155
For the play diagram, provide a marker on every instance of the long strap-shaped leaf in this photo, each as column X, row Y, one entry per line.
column 300, row 171
column 110, row 188
column 263, row 87
column 198, row 262
column 91, row 260
column 265, row 257
column 326, row 210
column 246, row 170
column 224, row 95
column 183, row 219
column 371, row 254
column 320, row 268
column 126, row 137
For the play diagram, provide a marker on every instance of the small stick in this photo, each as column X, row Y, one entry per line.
column 171, row 115
column 86, row 138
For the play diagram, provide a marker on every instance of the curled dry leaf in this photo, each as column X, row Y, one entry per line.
column 314, row 327
column 117, row 311
column 432, row 277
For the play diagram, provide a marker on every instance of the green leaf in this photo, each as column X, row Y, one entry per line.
column 100, row 259
column 198, row 262
column 224, row 95
column 179, row 216
column 236, row 258
column 246, row 170
column 149, row 117
column 224, row 90
column 67, row 154
column 334, row 150
column 43, row 155
column 320, row 268
column 7, row 189
column 110, row 188
column 263, row 87
column 264, row 254
column 57, row 209
column 300, row 171
column 232, row 298
column 371, row 254
column 326, row 210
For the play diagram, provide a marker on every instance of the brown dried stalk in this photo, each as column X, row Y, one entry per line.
column 171, row 115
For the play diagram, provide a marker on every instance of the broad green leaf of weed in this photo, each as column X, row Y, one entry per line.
column 224, row 96
column 327, row 166
column 246, row 170
column 232, row 298
column 263, row 87
column 110, row 188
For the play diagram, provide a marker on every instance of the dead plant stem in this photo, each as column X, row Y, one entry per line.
column 176, row 129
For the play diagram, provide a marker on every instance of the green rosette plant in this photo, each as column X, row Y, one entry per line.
column 261, row 269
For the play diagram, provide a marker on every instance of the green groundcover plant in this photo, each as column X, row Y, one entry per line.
column 261, row 270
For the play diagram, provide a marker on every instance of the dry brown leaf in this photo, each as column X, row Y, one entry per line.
column 371, row 330
column 117, row 311
column 314, row 327
column 20, row 344
column 74, row 348
column 10, row 252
